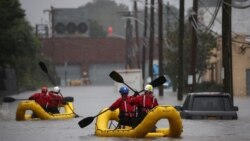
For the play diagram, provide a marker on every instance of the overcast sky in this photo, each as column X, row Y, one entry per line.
column 35, row 15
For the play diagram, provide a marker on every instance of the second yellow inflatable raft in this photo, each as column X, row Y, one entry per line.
column 31, row 105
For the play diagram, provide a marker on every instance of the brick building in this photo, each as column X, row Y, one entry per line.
column 76, row 56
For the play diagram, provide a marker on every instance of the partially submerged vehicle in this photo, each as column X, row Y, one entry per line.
column 208, row 105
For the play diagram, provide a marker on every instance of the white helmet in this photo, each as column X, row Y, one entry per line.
column 56, row 89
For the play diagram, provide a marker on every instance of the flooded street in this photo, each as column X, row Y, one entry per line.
column 88, row 101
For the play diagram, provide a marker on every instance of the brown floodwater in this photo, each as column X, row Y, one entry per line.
column 88, row 101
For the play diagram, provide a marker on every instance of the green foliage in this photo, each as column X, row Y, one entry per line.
column 206, row 42
column 209, row 87
column 19, row 46
column 105, row 13
column 10, row 14
column 96, row 30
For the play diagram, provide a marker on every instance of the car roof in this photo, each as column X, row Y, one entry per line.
column 208, row 94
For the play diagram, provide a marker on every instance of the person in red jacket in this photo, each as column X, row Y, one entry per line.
column 127, row 111
column 49, row 101
column 144, row 103
column 40, row 98
column 54, row 101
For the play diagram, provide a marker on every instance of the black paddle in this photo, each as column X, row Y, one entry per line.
column 155, row 83
column 44, row 68
column 86, row 121
column 11, row 99
column 158, row 81
column 118, row 78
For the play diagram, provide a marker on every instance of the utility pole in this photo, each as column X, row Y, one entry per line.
column 137, row 46
column 180, row 51
column 151, row 42
column 144, row 41
column 160, row 44
column 227, row 47
column 194, row 45
column 129, row 56
column 168, row 24
column 51, row 21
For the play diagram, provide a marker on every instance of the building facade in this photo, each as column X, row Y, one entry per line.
column 79, row 57
column 240, row 65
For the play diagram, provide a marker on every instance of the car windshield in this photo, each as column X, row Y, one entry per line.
column 209, row 104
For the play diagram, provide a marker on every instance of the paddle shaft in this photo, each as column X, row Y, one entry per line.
column 10, row 99
column 20, row 99
column 157, row 82
column 101, row 113
column 118, row 78
column 70, row 107
column 129, row 87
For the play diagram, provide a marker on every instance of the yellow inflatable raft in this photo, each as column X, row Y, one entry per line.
column 143, row 129
column 31, row 105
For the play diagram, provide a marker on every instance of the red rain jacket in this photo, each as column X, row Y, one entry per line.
column 54, row 100
column 47, row 100
column 124, row 105
column 146, row 101
column 40, row 98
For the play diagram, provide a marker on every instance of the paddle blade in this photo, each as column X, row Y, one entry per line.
column 158, row 81
column 85, row 122
column 8, row 99
column 43, row 67
column 116, row 77
column 68, row 99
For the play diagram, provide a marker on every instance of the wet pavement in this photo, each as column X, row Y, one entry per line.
column 88, row 101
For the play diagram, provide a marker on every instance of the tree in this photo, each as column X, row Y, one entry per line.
column 106, row 13
column 206, row 42
column 96, row 30
column 19, row 46
column 10, row 17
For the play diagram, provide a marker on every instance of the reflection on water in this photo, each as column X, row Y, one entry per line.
column 90, row 100
column 4, row 111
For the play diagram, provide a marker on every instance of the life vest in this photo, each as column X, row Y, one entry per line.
column 54, row 100
column 124, row 106
column 147, row 102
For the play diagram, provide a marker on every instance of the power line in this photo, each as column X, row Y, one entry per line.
column 237, row 6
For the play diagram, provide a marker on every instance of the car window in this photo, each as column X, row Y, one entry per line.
column 186, row 103
column 208, row 104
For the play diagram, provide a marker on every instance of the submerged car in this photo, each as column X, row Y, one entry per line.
column 208, row 105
